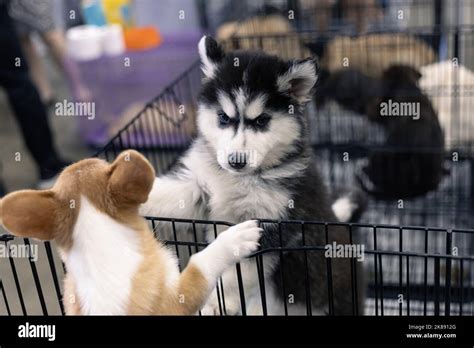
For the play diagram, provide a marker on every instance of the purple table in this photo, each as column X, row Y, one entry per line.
column 115, row 87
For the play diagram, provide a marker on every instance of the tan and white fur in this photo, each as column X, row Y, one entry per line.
column 115, row 266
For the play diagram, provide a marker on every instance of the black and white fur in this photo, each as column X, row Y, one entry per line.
column 409, row 163
column 252, row 159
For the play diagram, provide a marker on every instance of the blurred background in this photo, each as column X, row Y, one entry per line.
column 144, row 45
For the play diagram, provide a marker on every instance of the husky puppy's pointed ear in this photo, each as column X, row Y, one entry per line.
column 299, row 79
column 211, row 54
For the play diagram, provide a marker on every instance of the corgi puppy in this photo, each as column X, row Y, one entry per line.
column 114, row 264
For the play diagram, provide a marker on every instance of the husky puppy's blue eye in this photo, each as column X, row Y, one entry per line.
column 224, row 120
column 262, row 120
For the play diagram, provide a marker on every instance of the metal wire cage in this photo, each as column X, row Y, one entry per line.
column 436, row 279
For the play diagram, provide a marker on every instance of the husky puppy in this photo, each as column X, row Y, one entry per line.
column 251, row 159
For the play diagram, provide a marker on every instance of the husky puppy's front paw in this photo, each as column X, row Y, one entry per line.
column 230, row 247
column 241, row 240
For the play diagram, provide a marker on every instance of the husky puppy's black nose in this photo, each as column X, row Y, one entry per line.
column 237, row 160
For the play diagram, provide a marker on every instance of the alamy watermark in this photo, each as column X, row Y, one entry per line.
column 77, row 109
column 406, row 109
column 248, row 156
column 353, row 251
column 28, row 330
column 20, row 251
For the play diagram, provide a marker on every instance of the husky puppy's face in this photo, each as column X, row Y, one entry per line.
column 250, row 107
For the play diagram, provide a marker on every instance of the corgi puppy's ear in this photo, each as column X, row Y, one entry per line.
column 299, row 79
column 131, row 179
column 211, row 54
column 30, row 213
